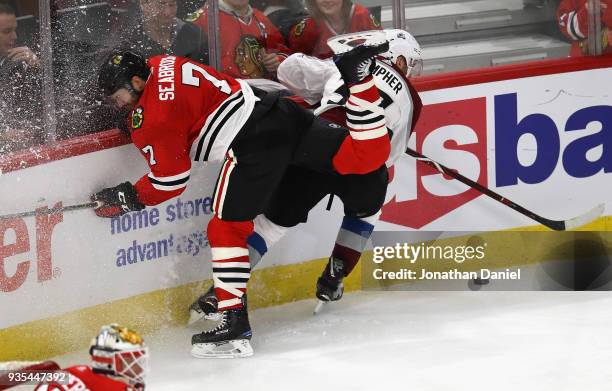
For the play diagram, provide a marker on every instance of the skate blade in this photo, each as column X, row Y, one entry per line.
column 236, row 348
column 319, row 307
column 347, row 42
column 196, row 316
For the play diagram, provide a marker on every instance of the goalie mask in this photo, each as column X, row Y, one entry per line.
column 402, row 43
column 119, row 351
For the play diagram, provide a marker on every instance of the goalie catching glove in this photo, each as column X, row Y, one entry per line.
column 116, row 201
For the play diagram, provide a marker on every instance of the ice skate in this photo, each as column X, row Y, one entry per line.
column 329, row 285
column 355, row 54
column 229, row 339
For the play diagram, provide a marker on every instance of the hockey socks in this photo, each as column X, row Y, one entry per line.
column 352, row 239
column 264, row 236
column 230, row 260
column 368, row 146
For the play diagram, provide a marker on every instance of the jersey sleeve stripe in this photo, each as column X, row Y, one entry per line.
column 168, row 187
column 356, row 104
column 364, row 121
column 207, row 126
column 170, row 178
column 362, row 87
column 370, row 125
column 360, row 113
column 369, row 134
column 220, row 125
column 170, row 183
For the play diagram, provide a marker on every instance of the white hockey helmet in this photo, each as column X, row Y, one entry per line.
column 119, row 351
column 402, row 43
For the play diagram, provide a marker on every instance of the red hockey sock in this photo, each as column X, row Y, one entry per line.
column 230, row 260
column 369, row 145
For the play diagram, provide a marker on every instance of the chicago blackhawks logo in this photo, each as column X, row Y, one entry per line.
column 375, row 21
column 249, row 54
column 192, row 17
column 137, row 118
column 299, row 28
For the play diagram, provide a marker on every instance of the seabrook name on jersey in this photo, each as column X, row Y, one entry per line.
column 165, row 77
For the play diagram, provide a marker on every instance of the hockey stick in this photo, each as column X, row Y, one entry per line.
column 557, row 225
column 88, row 205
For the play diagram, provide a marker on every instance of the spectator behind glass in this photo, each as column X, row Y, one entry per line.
column 159, row 31
column 327, row 19
column 251, row 46
column 573, row 20
column 284, row 14
column 20, row 109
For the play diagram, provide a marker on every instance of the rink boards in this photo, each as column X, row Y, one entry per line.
column 540, row 135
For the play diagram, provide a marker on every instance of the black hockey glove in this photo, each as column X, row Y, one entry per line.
column 117, row 200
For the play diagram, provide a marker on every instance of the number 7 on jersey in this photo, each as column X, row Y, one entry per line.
column 188, row 69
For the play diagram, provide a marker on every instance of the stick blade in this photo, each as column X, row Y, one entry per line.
column 586, row 218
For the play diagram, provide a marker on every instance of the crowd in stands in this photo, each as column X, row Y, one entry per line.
column 573, row 20
column 20, row 103
column 255, row 37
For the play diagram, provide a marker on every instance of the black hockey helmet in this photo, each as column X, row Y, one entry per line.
column 118, row 69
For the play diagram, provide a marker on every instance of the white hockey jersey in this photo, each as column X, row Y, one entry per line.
column 318, row 80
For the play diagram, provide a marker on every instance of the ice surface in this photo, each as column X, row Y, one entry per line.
column 408, row 341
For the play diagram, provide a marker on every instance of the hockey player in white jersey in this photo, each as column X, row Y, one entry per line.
column 319, row 84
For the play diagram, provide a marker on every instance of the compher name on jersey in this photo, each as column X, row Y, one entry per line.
column 387, row 75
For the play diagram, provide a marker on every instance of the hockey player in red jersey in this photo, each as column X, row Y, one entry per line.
column 183, row 112
column 251, row 46
column 318, row 83
column 119, row 363
column 573, row 20
column 328, row 19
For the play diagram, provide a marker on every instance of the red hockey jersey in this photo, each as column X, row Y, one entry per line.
column 573, row 20
column 310, row 37
column 242, row 39
column 83, row 378
column 187, row 112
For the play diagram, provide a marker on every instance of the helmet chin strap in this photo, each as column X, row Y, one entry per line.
column 128, row 86
column 133, row 92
